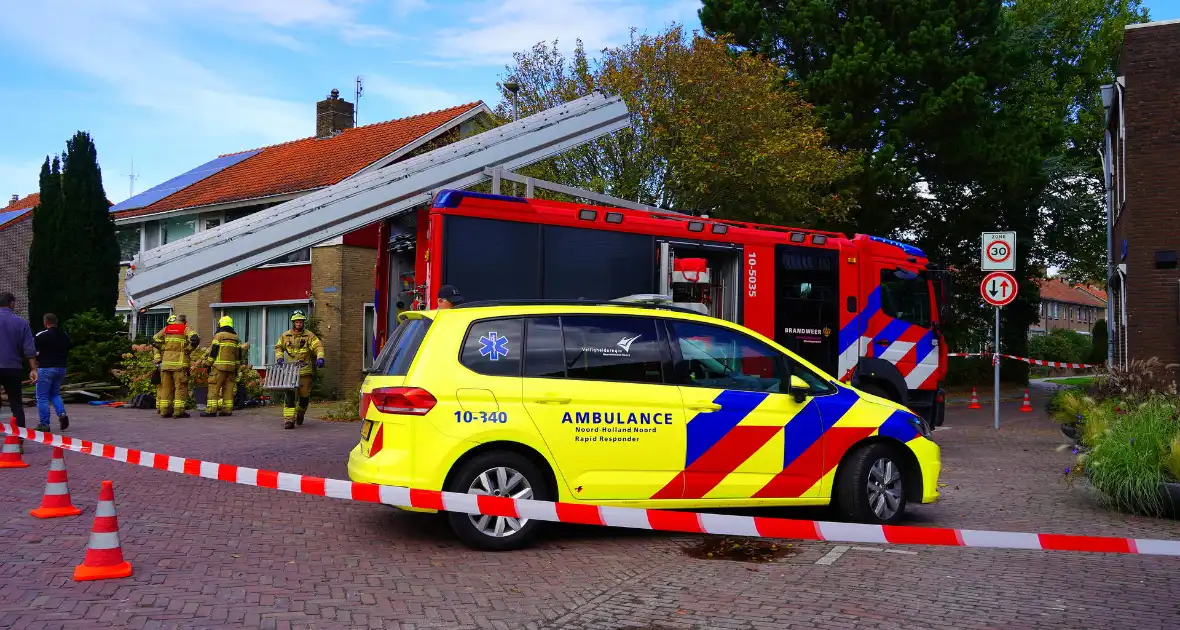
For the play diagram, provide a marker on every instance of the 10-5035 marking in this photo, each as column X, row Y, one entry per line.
column 484, row 416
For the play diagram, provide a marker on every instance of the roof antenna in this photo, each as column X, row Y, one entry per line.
column 356, row 108
column 131, row 180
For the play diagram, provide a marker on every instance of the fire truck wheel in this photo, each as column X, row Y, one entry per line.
column 876, row 390
column 498, row 474
column 870, row 484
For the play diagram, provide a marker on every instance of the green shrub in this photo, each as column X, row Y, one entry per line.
column 1068, row 406
column 1172, row 463
column 1127, row 463
column 1050, row 348
column 1140, row 380
column 97, row 344
column 969, row 371
column 1098, row 345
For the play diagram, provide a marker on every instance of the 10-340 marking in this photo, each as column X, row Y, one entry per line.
column 484, row 416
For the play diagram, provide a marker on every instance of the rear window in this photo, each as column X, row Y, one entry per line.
column 493, row 347
column 402, row 347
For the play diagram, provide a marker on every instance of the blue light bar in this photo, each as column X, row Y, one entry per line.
column 905, row 247
column 452, row 198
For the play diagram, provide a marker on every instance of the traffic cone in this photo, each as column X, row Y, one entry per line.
column 56, row 501
column 10, row 453
column 1026, row 406
column 974, row 400
column 104, row 556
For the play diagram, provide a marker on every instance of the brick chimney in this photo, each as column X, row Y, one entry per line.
column 15, row 198
column 332, row 115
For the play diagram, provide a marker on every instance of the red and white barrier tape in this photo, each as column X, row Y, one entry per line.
column 636, row 518
column 1056, row 364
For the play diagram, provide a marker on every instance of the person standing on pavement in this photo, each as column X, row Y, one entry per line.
column 174, row 346
column 449, row 297
column 16, row 346
column 299, row 344
column 53, row 349
column 226, row 355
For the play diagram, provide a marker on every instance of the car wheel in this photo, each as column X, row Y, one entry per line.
column 870, row 485
column 501, row 474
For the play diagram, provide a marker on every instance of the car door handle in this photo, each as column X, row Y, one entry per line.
column 883, row 342
column 704, row 407
column 552, row 400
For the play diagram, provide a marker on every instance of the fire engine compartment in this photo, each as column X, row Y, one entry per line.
column 702, row 273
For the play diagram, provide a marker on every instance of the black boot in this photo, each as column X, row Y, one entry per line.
column 64, row 422
column 299, row 416
column 289, row 424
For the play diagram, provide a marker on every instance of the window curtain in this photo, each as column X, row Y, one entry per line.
column 278, row 321
column 248, row 324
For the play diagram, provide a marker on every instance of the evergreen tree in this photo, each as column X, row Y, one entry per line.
column 1100, row 338
column 44, row 289
column 89, row 254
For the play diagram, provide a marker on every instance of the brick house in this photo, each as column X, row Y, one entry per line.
column 1142, row 163
column 16, row 236
column 334, row 280
column 1069, row 306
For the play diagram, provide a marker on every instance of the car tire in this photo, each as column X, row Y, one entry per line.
column 480, row 532
column 870, row 485
column 877, row 391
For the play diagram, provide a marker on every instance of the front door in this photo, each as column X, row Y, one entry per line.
column 901, row 331
column 746, row 435
column 807, row 303
column 597, row 388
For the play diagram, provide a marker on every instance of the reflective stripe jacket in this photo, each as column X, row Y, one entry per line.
column 226, row 352
column 300, row 346
column 174, row 345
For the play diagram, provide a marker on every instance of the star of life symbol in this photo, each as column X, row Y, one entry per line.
column 625, row 342
column 493, row 346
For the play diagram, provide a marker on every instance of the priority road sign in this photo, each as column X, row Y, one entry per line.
column 998, row 251
column 998, row 288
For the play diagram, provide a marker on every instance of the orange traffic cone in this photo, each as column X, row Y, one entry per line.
column 104, row 556
column 1026, row 406
column 56, row 501
column 974, row 400
column 10, row 453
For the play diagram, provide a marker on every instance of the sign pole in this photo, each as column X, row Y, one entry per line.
column 996, row 363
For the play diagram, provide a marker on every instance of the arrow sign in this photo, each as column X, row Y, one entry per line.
column 998, row 288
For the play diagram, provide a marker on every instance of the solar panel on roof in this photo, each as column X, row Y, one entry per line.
column 11, row 215
column 180, row 182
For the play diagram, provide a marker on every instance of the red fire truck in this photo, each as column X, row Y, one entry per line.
column 865, row 309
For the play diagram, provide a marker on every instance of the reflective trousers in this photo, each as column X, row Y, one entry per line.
column 172, row 392
column 291, row 406
column 222, row 386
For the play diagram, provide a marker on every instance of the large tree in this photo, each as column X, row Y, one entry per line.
column 971, row 115
column 44, row 285
column 74, row 259
column 712, row 131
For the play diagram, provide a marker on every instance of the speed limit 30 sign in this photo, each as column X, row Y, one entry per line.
column 998, row 251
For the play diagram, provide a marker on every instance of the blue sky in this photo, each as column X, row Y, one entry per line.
column 171, row 84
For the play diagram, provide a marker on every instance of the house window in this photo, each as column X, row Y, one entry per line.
column 151, row 235
column 128, row 239
column 294, row 258
column 370, row 334
column 175, row 229
column 146, row 324
column 261, row 327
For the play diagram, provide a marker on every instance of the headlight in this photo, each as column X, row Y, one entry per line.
column 920, row 426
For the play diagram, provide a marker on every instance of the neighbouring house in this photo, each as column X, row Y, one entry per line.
column 1142, row 160
column 334, row 280
column 1071, row 306
column 16, row 237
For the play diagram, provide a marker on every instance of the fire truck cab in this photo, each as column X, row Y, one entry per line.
column 865, row 309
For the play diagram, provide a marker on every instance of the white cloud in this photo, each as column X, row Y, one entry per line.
column 410, row 99
column 499, row 28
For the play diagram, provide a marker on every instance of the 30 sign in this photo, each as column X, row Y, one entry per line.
column 998, row 251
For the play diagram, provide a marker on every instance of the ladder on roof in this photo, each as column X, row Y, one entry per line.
column 188, row 264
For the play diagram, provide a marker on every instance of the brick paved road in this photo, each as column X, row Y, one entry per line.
column 208, row 554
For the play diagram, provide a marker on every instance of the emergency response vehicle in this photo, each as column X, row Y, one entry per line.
column 864, row 309
column 626, row 404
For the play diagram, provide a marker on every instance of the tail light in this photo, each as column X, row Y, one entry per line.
column 406, row 401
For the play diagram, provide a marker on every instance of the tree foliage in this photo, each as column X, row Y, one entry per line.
column 971, row 116
column 1099, row 348
column 712, row 132
column 74, row 257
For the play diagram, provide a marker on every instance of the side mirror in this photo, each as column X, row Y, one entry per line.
column 799, row 389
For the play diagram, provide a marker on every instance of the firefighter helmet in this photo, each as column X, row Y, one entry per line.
column 171, row 319
column 298, row 316
column 226, row 321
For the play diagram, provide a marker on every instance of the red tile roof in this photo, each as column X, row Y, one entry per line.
column 304, row 164
column 1060, row 291
column 28, row 203
column 1092, row 290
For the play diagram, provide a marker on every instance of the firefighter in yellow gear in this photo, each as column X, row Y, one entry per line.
column 299, row 345
column 225, row 356
column 174, row 346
